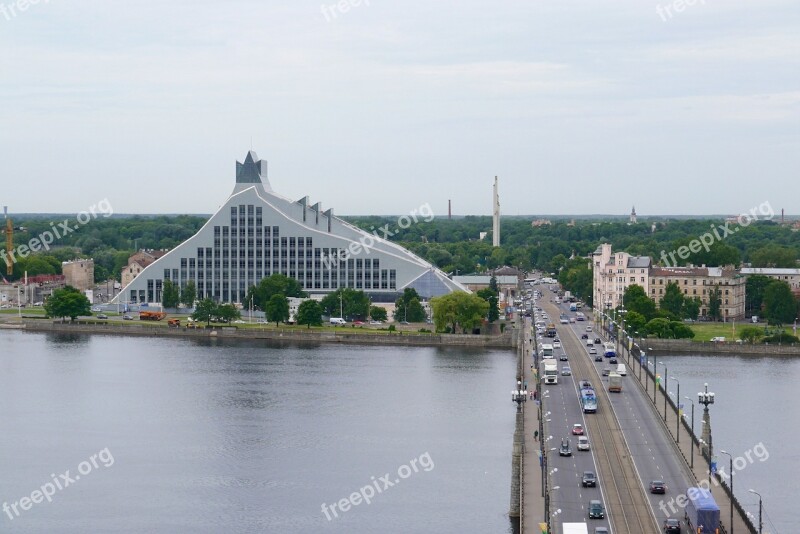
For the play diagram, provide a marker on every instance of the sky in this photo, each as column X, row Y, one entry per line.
column 683, row 107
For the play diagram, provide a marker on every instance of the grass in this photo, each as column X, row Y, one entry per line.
column 704, row 332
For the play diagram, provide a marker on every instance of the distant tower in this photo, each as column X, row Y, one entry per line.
column 633, row 215
column 449, row 210
column 496, row 216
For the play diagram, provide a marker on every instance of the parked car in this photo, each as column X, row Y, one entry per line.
column 358, row 323
column 596, row 510
column 376, row 322
column 102, row 316
column 658, row 486
column 127, row 317
column 577, row 429
column 672, row 526
column 589, row 480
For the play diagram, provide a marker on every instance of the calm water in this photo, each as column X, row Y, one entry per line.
column 194, row 436
column 756, row 403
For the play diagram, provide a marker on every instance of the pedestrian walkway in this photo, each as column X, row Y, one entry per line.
column 532, row 492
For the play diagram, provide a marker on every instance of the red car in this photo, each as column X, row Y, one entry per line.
column 577, row 429
column 358, row 323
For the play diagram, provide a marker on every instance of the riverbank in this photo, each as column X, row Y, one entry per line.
column 683, row 346
column 327, row 335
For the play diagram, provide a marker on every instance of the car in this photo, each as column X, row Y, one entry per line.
column 572, row 319
column 563, row 320
column 584, row 336
column 262, row 321
column 376, row 322
column 589, row 343
column 593, row 351
column 95, row 309
column 606, row 371
column 565, row 449
column 404, row 322
column 585, row 384
column 612, row 361
column 577, row 429
column 102, row 316
column 658, row 486
column 596, row 510
column 556, row 344
column 597, row 340
column 566, row 371
column 127, row 317
column 672, row 526
column 598, row 357
column 583, row 443
column 239, row 321
column 600, row 530
column 358, row 323
column 589, row 479
column 589, row 328
column 563, row 357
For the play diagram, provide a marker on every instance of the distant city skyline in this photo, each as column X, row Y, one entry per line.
column 376, row 108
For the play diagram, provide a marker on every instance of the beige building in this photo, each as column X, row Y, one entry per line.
column 700, row 282
column 613, row 273
column 136, row 264
column 79, row 273
column 790, row 276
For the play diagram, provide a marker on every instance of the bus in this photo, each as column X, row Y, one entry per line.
column 547, row 350
column 609, row 350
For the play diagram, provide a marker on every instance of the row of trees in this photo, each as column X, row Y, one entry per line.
column 459, row 312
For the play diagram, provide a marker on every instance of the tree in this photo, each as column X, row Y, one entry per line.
column 309, row 313
column 408, row 307
column 680, row 330
column 780, row 306
column 189, row 294
column 691, row 308
column 754, row 292
column 205, row 310
column 635, row 322
column 774, row 256
column 227, row 313
column 659, row 327
column 636, row 299
column 751, row 334
column 346, row 302
column 491, row 297
column 170, row 294
column 672, row 301
column 378, row 313
column 715, row 303
column 278, row 309
column 493, row 285
column 276, row 284
column 67, row 302
column 459, row 309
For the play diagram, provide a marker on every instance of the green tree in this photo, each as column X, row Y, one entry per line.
column 780, row 306
column 378, row 313
column 715, row 303
column 227, row 313
column 189, row 294
column 408, row 307
column 659, row 327
column 67, row 302
column 491, row 297
column 636, row 299
column 774, row 256
column 459, row 309
column 680, row 330
column 751, row 334
column 205, row 310
column 170, row 294
column 672, row 301
column 754, row 292
column 276, row 284
column 346, row 302
column 277, row 309
column 309, row 313
column 691, row 308
column 635, row 322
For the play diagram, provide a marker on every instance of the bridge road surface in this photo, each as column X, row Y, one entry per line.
column 628, row 508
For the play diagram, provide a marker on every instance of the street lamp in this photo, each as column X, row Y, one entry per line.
column 705, row 398
column 665, row 391
column 690, row 400
column 655, row 384
column 519, row 396
column 760, row 523
column 730, row 475
column 678, row 406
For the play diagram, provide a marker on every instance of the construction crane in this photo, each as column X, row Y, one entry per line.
column 9, row 231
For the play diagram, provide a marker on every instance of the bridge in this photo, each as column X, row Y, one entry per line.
column 635, row 437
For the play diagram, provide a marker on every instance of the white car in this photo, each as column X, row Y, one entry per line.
column 376, row 322
column 583, row 443
column 556, row 344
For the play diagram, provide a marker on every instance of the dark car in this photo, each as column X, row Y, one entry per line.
column 585, row 384
column 606, row 371
column 563, row 357
column 102, row 316
column 612, row 361
column 565, row 449
column 589, row 480
column 658, row 486
column 584, row 336
column 598, row 358
column 596, row 510
column 672, row 526
column 597, row 340
column 600, row 530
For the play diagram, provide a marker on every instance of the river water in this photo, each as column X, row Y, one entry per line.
column 140, row 435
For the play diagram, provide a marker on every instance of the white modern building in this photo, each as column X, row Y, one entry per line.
column 257, row 233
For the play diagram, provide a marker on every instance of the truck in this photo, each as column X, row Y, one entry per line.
column 574, row 528
column 701, row 510
column 551, row 330
column 151, row 316
column 567, row 296
column 614, row 382
column 550, row 372
column 573, row 306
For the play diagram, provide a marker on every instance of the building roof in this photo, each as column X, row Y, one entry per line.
column 690, row 271
column 770, row 271
column 637, row 262
column 484, row 279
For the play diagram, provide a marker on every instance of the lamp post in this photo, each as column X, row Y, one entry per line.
column 705, row 398
column 665, row 392
column 730, row 475
column 678, row 406
column 519, row 395
column 760, row 523
column 655, row 384
column 690, row 400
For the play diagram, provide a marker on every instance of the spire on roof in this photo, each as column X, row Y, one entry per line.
column 250, row 172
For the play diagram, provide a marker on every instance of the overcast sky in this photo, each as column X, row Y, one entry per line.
column 578, row 107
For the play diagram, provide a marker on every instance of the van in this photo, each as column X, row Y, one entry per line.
column 753, row 318
column 337, row 321
column 621, row 370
